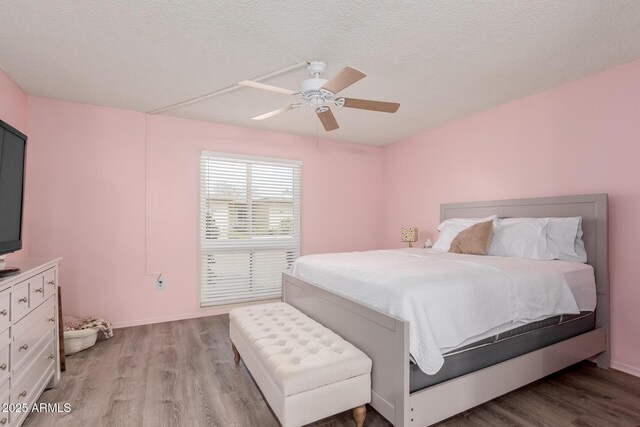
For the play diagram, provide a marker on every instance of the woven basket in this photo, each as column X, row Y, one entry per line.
column 75, row 341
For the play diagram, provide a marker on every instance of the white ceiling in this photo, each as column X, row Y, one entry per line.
column 442, row 60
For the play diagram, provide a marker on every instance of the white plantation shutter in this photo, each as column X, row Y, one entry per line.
column 249, row 226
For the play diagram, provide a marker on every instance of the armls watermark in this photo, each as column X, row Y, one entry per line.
column 64, row 408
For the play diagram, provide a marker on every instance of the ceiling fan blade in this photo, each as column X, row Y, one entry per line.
column 366, row 104
column 263, row 86
column 327, row 118
column 343, row 79
column 275, row 112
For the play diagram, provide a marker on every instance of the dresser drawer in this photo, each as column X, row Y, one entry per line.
column 4, row 401
column 20, row 301
column 50, row 280
column 35, row 327
column 5, row 368
column 28, row 386
column 36, row 291
column 5, row 309
column 4, row 390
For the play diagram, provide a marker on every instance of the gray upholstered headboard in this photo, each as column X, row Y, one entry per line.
column 593, row 210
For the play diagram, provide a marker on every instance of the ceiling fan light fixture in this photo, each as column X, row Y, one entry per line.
column 318, row 92
column 313, row 86
column 317, row 67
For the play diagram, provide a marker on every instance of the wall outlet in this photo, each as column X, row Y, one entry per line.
column 160, row 283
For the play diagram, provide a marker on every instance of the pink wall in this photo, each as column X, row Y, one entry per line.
column 13, row 110
column 101, row 177
column 13, row 103
column 582, row 137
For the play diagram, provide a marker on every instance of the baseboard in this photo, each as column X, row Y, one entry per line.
column 214, row 311
column 172, row 318
column 632, row 370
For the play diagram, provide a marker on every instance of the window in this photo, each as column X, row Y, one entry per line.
column 249, row 226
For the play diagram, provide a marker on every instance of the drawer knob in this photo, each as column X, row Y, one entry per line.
column 52, row 319
column 23, row 393
column 38, row 290
column 51, row 356
column 23, row 347
column 4, row 312
column 23, row 299
column 51, row 282
column 3, row 421
column 3, row 366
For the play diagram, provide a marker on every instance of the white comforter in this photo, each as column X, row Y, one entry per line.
column 447, row 298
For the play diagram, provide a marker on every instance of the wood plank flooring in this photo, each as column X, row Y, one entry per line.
column 182, row 374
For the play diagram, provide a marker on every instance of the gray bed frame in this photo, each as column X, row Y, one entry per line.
column 385, row 338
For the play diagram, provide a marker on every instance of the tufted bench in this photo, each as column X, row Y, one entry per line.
column 304, row 370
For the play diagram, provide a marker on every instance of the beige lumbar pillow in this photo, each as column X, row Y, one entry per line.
column 475, row 240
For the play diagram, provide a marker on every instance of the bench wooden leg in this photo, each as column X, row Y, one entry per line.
column 236, row 355
column 359, row 415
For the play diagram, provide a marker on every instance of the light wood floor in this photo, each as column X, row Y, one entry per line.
column 182, row 374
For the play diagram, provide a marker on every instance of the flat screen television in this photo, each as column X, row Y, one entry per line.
column 12, row 157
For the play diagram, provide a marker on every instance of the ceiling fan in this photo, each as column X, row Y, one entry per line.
column 319, row 93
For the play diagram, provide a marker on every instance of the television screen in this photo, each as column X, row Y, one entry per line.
column 12, row 153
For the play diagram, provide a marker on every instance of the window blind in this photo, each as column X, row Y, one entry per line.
column 249, row 226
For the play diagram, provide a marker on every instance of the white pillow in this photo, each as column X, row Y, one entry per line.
column 561, row 235
column 521, row 238
column 450, row 228
column 564, row 237
column 580, row 250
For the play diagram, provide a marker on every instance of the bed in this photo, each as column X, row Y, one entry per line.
column 465, row 375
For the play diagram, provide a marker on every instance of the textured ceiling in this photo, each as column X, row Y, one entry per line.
column 442, row 60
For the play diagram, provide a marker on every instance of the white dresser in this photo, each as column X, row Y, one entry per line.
column 29, row 356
